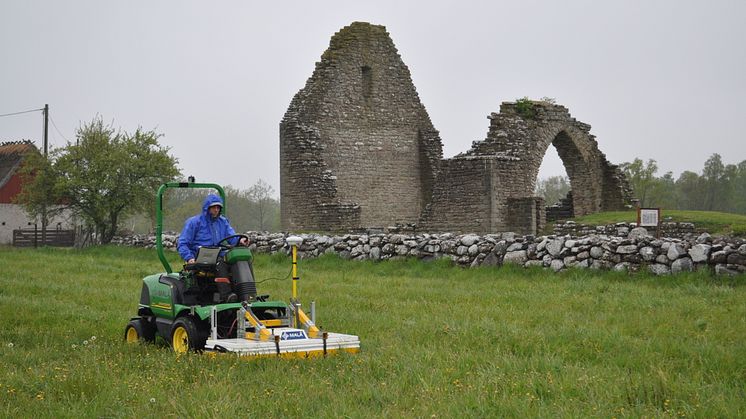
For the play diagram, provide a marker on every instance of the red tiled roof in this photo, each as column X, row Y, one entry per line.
column 11, row 155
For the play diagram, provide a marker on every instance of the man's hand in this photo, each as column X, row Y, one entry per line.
column 190, row 261
column 244, row 241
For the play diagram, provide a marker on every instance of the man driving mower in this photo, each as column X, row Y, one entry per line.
column 210, row 229
column 206, row 229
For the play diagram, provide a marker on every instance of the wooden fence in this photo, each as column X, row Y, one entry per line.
column 34, row 237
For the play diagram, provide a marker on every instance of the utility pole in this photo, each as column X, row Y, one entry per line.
column 46, row 152
column 46, row 129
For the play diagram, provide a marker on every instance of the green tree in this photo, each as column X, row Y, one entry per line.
column 105, row 175
column 552, row 189
column 641, row 177
column 39, row 201
column 663, row 192
column 264, row 207
column 689, row 191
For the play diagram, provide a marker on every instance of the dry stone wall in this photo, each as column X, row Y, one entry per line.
column 632, row 250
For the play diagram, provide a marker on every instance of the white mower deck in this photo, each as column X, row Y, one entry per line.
column 287, row 342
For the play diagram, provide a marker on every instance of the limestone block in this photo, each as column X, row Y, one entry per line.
column 659, row 269
column 515, row 246
column 517, row 257
column 627, row 249
column 375, row 253
column 704, row 238
column 638, row 233
column 700, row 252
column 647, row 253
column 469, row 239
column 597, row 252
column 622, row 267
column 491, row 260
column 683, row 264
column 473, row 250
column 546, row 260
column 554, row 247
column 557, row 265
column 583, row 264
column 675, row 251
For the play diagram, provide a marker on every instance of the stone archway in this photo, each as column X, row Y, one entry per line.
column 503, row 170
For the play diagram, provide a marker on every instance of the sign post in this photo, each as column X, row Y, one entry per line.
column 650, row 217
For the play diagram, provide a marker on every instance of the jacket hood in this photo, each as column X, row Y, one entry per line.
column 211, row 200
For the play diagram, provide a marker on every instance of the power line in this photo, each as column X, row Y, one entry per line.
column 57, row 129
column 18, row 113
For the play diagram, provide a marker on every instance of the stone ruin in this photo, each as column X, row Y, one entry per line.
column 358, row 152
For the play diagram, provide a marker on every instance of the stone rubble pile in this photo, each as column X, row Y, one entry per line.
column 628, row 250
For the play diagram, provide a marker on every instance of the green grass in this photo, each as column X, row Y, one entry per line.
column 720, row 223
column 437, row 341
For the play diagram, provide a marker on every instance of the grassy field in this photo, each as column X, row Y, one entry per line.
column 720, row 223
column 438, row 341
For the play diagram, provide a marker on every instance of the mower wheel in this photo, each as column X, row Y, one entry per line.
column 186, row 336
column 139, row 330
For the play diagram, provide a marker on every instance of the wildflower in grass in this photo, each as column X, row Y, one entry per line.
column 152, row 400
column 85, row 342
column 10, row 344
column 93, row 338
column 74, row 346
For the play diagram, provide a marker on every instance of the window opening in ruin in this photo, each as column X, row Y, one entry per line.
column 367, row 75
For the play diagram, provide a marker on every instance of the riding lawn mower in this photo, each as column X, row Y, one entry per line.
column 212, row 304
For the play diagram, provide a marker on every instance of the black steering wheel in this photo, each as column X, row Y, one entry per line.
column 228, row 246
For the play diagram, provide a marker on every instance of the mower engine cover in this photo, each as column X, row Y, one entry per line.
column 239, row 254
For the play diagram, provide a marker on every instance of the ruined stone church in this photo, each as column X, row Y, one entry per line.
column 358, row 151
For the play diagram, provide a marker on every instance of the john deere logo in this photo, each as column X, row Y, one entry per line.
column 293, row 335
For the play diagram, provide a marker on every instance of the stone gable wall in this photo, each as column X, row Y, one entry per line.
column 357, row 138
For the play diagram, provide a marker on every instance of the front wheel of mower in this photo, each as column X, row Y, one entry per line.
column 186, row 336
column 139, row 330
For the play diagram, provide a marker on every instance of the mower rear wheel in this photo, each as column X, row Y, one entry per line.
column 139, row 330
column 186, row 336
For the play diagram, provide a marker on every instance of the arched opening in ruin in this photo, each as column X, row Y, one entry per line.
column 552, row 182
column 582, row 196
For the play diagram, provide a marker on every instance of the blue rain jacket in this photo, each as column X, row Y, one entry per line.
column 203, row 230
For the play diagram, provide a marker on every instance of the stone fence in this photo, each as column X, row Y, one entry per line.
column 668, row 229
column 625, row 250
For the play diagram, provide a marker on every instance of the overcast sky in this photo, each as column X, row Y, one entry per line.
column 663, row 80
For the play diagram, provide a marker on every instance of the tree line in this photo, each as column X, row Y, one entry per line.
column 718, row 187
